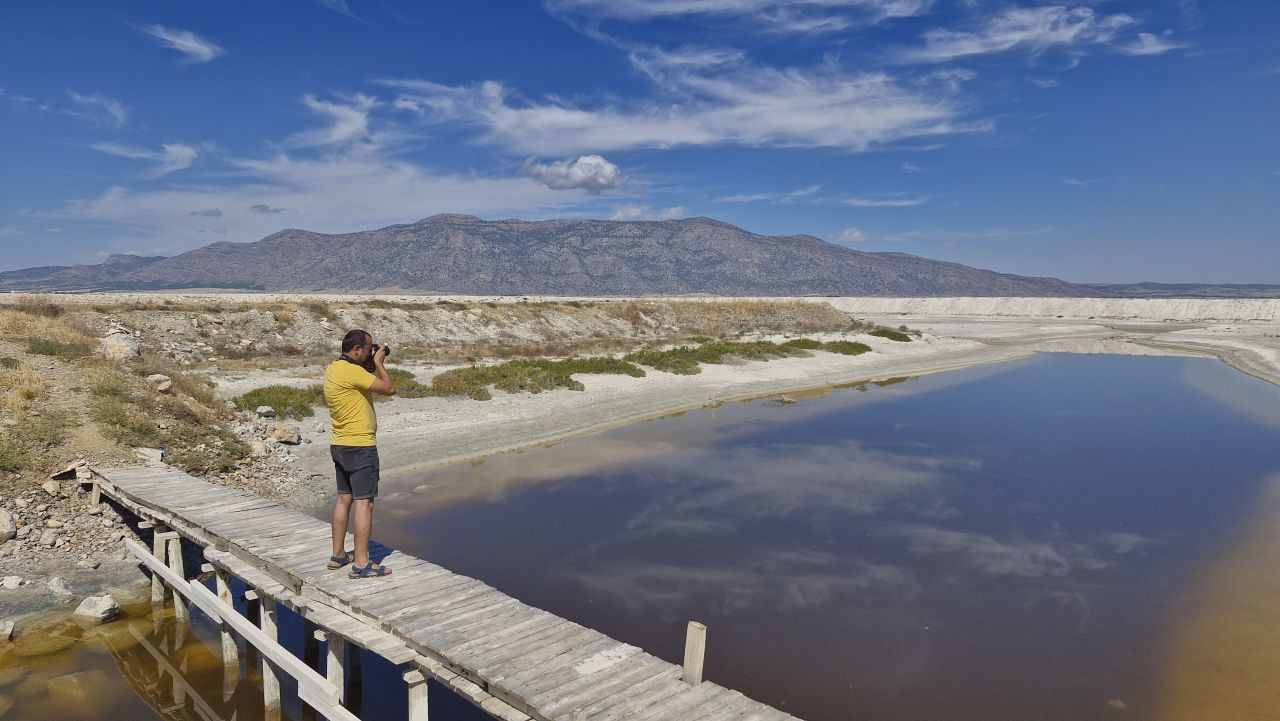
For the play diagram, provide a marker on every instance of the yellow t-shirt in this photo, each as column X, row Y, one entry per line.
column 346, row 392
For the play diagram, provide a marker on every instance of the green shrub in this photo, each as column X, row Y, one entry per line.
column 10, row 456
column 803, row 344
column 285, row 400
column 408, row 385
column 685, row 360
column 41, row 346
column 121, row 422
column 32, row 306
column 846, row 347
column 316, row 307
column 531, row 375
column 7, row 363
column 891, row 334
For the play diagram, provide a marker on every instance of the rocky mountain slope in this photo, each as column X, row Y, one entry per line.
column 464, row 254
column 74, row 277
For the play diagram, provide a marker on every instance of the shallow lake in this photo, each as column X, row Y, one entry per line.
column 1008, row 542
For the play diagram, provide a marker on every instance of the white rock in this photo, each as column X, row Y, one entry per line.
column 49, row 537
column 258, row 449
column 150, row 455
column 285, row 433
column 6, row 634
column 266, row 412
column 97, row 608
column 8, row 526
column 10, row 583
column 51, row 487
column 162, row 383
column 119, row 346
column 58, row 586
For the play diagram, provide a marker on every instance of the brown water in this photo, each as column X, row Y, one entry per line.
column 1051, row 539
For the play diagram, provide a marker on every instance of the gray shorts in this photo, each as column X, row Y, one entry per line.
column 357, row 468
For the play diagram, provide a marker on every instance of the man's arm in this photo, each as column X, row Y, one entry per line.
column 382, row 385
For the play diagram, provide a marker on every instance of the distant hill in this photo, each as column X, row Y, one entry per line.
column 464, row 254
column 1188, row 290
column 75, row 277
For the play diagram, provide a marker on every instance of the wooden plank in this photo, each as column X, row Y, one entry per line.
column 638, row 696
column 593, row 690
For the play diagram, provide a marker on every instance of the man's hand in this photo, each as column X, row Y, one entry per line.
column 382, row 385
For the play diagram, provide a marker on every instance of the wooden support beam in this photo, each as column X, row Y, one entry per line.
column 230, row 647
column 417, row 695
column 158, row 551
column 95, row 496
column 335, row 662
column 270, row 679
column 695, row 649
column 175, row 562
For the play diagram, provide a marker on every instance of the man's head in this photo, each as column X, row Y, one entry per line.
column 357, row 345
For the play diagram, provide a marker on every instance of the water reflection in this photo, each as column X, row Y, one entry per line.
column 1001, row 544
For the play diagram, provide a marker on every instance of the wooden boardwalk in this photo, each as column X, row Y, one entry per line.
column 512, row 660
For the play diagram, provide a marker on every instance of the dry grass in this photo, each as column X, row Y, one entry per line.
column 19, row 388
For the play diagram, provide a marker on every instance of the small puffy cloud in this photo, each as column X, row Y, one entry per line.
column 170, row 158
column 1149, row 44
column 644, row 212
column 852, row 235
column 266, row 209
column 591, row 173
column 195, row 48
column 100, row 108
column 208, row 213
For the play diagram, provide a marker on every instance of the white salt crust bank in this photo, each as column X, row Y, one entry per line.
column 1138, row 309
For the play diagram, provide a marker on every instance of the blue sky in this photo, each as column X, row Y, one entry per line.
column 1104, row 141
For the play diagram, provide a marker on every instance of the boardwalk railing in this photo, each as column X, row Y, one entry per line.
column 513, row 661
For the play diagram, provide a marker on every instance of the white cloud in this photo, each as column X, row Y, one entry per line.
column 208, row 213
column 100, row 108
column 338, row 6
column 911, row 168
column 348, row 121
column 1044, row 82
column 818, row 107
column 196, row 48
column 9, row 231
column 264, row 208
column 882, row 200
column 1149, row 44
column 644, row 212
column 591, row 173
column 1081, row 182
column 778, row 16
column 171, row 157
column 1033, row 30
column 1023, row 558
column 852, row 235
column 779, row 198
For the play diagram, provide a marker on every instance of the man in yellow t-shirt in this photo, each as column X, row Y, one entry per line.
column 348, row 391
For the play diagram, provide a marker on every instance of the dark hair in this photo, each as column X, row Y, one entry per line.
column 352, row 339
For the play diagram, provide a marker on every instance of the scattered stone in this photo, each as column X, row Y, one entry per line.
column 84, row 687
column 70, row 472
column 22, row 503
column 266, row 412
column 11, row 583
column 119, row 346
column 107, row 523
column 6, row 635
column 150, row 455
column 93, row 510
column 162, row 383
column 42, row 508
column 58, row 586
column 320, row 428
column 49, row 537
column 51, row 487
column 24, row 532
column 53, row 523
column 8, row 526
column 98, row 609
column 258, row 449
column 285, row 433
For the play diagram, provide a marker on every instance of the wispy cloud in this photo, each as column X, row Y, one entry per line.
column 882, row 200
column 912, row 168
column 591, row 173
column 208, row 213
column 774, row 16
column 338, row 6
column 9, row 231
column 1081, row 182
column 100, row 108
column 347, row 121
column 746, row 105
column 786, row 198
column 265, row 209
column 1149, row 44
column 852, row 235
column 636, row 211
column 195, row 48
column 171, row 157
column 1027, row 29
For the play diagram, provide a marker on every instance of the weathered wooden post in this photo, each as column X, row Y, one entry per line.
column 417, row 694
column 270, row 678
column 175, row 563
column 335, row 663
column 695, row 648
column 230, row 647
column 159, row 541
column 253, row 612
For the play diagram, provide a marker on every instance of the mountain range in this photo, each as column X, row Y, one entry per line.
column 463, row 254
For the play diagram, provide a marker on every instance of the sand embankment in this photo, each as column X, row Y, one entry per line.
column 1130, row 309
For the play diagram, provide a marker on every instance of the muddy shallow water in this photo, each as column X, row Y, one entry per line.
column 1035, row 540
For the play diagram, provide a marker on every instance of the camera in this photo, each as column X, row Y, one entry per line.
column 368, row 362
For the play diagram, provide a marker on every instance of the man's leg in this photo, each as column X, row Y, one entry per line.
column 363, row 530
column 341, row 514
